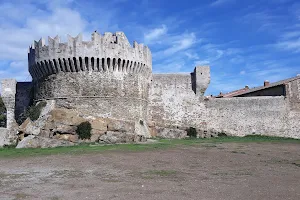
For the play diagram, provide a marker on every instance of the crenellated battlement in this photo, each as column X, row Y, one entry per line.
column 110, row 52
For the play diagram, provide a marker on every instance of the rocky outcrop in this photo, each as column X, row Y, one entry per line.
column 33, row 141
column 60, row 124
column 113, row 137
column 170, row 133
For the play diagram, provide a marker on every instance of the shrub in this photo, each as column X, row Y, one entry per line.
column 84, row 130
column 34, row 111
column 2, row 120
column 222, row 134
column 2, row 114
column 191, row 132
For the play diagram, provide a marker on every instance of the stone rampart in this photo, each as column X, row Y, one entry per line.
column 104, row 53
column 108, row 78
column 251, row 115
column 105, row 77
column 174, row 104
column 119, row 96
column 173, row 101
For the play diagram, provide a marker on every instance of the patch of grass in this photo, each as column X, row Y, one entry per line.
column 240, row 152
column 209, row 145
column 68, row 174
column 21, row 196
column 233, row 173
column 151, row 174
column 161, row 144
column 11, row 176
column 162, row 172
column 11, row 146
column 277, row 161
column 282, row 161
column 54, row 198
column 297, row 163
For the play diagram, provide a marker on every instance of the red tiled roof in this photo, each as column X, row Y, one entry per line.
column 247, row 90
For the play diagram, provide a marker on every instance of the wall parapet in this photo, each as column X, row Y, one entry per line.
column 110, row 52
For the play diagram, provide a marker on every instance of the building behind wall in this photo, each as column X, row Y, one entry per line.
column 279, row 88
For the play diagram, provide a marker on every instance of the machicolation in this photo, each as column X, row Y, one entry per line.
column 104, row 53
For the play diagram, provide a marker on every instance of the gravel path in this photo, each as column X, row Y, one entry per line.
column 206, row 171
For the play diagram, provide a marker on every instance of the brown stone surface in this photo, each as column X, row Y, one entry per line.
column 153, row 131
column 33, row 141
column 121, row 126
column 99, row 124
column 66, row 116
column 73, row 138
column 113, row 137
column 231, row 171
column 22, row 127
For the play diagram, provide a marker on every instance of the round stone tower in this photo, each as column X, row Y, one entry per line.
column 104, row 77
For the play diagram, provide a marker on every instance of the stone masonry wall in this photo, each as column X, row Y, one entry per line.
column 293, row 94
column 113, row 95
column 251, row 115
column 104, row 77
column 174, row 103
column 8, row 95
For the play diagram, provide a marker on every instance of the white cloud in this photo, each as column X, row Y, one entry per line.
column 291, row 34
column 221, row 2
column 242, row 72
column 184, row 42
column 262, row 20
column 155, row 35
column 201, row 62
column 17, row 35
column 237, row 60
column 18, row 64
column 290, row 45
column 191, row 55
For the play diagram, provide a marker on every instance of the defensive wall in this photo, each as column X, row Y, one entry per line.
column 176, row 100
column 104, row 77
column 107, row 77
column 174, row 105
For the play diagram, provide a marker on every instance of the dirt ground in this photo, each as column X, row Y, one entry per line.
column 206, row 171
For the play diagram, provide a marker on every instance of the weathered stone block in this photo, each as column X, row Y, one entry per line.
column 113, row 137
column 73, row 138
column 33, row 141
column 171, row 133
column 99, row 124
column 32, row 129
column 66, row 116
column 153, row 131
column 120, row 126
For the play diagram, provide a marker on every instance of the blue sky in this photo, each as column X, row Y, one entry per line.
column 244, row 41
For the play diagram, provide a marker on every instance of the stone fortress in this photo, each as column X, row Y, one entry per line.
column 109, row 81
